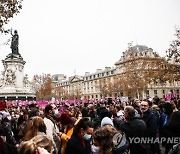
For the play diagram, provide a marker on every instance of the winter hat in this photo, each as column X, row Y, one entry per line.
column 65, row 119
column 106, row 121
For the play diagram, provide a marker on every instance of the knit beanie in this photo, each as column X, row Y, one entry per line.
column 106, row 121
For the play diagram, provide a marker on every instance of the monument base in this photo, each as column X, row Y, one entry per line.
column 17, row 96
column 14, row 85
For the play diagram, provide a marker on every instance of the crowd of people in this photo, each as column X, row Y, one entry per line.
column 99, row 127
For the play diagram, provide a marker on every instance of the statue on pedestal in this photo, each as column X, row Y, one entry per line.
column 15, row 43
column 14, row 46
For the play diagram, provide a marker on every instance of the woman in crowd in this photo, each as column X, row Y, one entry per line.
column 172, row 129
column 32, row 146
column 21, row 123
column 35, row 127
column 68, row 124
column 108, row 140
column 79, row 143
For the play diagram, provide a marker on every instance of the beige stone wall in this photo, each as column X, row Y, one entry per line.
column 89, row 84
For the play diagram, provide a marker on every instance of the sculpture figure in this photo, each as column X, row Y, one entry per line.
column 10, row 77
column 15, row 43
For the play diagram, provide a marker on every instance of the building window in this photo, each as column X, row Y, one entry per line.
column 102, row 74
column 155, row 92
column 147, row 93
column 92, row 96
column 98, row 75
column 177, row 91
column 163, row 91
column 89, row 77
column 107, row 73
column 94, row 76
column 96, row 96
column 112, row 72
column 86, row 78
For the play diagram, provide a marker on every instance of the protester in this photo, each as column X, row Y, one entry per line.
column 134, row 127
column 104, row 141
column 31, row 146
column 151, row 124
column 68, row 123
column 52, row 129
column 21, row 123
column 172, row 129
column 7, row 129
column 80, row 140
column 35, row 127
column 106, row 121
column 70, row 133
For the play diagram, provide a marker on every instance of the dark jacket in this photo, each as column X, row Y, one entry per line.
column 75, row 146
column 170, row 131
column 135, row 128
column 151, row 123
column 7, row 131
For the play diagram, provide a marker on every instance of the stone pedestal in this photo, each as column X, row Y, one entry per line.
column 14, row 85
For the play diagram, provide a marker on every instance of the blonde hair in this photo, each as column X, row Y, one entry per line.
column 30, row 147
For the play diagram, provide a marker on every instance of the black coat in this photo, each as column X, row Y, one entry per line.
column 135, row 128
column 75, row 146
column 170, row 131
column 151, row 123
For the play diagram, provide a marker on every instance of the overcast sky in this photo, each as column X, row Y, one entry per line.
column 63, row 37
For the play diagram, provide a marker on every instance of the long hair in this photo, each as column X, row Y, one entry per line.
column 84, row 123
column 168, row 108
column 174, row 120
column 33, row 127
column 30, row 147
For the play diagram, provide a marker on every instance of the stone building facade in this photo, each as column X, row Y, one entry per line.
column 102, row 83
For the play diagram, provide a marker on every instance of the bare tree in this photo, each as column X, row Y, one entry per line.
column 43, row 86
column 173, row 53
column 8, row 8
